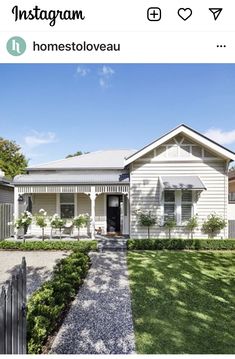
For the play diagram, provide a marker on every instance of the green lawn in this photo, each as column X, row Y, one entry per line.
column 183, row 302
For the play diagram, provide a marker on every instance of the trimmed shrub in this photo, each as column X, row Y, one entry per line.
column 82, row 246
column 46, row 305
column 180, row 244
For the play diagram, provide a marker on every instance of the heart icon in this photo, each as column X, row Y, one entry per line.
column 185, row 13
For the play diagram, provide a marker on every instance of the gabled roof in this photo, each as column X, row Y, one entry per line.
column 194, row 135
column 107, row 159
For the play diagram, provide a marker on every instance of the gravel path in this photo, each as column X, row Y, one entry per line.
column 100, row 319
column 39, row 266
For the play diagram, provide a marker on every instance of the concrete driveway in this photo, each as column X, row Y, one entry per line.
column 39, row 266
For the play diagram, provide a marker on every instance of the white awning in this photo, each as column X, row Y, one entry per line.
column 182, row 182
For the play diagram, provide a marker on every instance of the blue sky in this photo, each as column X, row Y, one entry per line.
column 54, row 110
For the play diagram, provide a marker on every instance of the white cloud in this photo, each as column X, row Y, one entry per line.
column 39, row 138
column 220, row 136
column 105, row 73
column 82, row 71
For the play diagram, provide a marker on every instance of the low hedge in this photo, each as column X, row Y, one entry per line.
column 180, row 244
column 45, row 306
column 82, row 246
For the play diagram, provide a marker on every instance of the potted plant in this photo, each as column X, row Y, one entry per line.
column 41, row 220
column 23, row 222
column 81, row 221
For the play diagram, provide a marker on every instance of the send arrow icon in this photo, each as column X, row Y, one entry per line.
column 216, row 12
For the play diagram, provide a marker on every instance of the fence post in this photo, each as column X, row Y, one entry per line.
column 15, row 323
column 13, row 314
column 8, row 319
column 24, row 299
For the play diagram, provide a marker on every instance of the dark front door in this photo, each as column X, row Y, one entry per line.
column 113, row 213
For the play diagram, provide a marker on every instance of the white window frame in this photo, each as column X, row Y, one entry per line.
column 178, row 206
column 67, row 203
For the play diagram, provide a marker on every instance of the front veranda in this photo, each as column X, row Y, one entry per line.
column 107, row 205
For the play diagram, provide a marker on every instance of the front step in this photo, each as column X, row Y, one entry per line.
column 111, row 245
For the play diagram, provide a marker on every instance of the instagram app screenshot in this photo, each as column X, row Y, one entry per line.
column 117, row 177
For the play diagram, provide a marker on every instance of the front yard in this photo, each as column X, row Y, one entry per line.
column 183, row 302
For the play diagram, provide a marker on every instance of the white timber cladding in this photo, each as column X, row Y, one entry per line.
column 145, row 189
column 45, row 201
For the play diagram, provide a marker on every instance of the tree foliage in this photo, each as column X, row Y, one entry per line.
column 147, row 220
column 213, row 225
column 12, row 161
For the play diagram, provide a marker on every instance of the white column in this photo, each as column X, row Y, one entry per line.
column 16, row 208
column 92, row 197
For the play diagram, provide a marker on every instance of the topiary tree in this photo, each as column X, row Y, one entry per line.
column 213, row 225
column 81, row 221
column 57, row 222
column 147, row 220
column 191, row 225
column 41, row 220
column 170, row 224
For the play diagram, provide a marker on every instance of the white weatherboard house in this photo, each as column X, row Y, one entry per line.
column 179, row 175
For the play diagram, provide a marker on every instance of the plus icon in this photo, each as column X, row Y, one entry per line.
column 154, row 14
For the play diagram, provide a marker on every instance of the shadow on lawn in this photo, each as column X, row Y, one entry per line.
column 183, row 302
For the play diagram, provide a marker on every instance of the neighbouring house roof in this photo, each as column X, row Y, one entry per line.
column 182, row 182
column 5, row 182
column 194, row 135
column 101, row 177
column 107, row 159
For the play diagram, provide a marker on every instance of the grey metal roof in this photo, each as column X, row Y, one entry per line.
column 101, row 177
column 182, row 182
column 98, row 159
column 5, row 182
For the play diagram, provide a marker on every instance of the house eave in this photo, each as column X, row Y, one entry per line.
column 191, row 133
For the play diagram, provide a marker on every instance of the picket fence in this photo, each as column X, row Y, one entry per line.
column 13, row 313
column 6, row 216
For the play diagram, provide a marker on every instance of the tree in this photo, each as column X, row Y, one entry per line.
column 41, row 220
column 81, row 221
column 78, row 153
column 57, row 222
column 147, row 220
column 192, row 224
column 213, row 225
column 170, row 224
column 12, row 161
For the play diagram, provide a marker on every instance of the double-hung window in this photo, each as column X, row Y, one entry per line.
column 169, row 205
column 178, row 205
column 67, row 205
column 186, row 205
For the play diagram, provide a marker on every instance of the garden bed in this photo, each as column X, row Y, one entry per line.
column 47, row 306
column 180, row 244
column 82, row 246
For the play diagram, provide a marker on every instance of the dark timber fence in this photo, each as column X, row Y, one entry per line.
column 6, row 216
column 13, row 313
column 231, row 229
